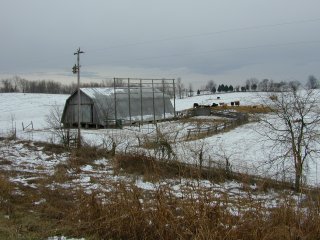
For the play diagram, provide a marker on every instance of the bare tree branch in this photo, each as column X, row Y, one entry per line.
column 293, row 127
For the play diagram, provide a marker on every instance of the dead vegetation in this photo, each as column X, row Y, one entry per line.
column 86, row 155
column 126, row 211
column 251, row 109
column 154, row 170
column 129, row 212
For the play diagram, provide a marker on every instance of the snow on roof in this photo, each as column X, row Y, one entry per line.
column 93, row 92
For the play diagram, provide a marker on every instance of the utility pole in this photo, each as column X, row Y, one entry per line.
column 76, row 69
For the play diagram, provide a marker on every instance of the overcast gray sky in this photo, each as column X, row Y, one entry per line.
column 227, row 41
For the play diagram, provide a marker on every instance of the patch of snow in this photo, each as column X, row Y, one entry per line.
column 83, row 179
column 63, row 238
column 40, row 201
column 144, row 185
column 87, row 168
column 102, row 161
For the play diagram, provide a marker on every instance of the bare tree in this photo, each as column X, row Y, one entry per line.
column 265, row 85
column 23, row 84
column 248, row 85
column 180, row 87
column 7, row 85
column 190, row 89
column 313, row 82
column 293, row 129
column 252, row 83
column 13, row 132
column 225, row 156
column 294, row 85
column 56, row 127
column 210, row 85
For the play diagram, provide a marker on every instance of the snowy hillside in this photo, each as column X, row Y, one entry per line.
column 26, row 107
column 115, row 173
column 242, row 146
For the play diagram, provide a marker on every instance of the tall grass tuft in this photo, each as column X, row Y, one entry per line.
column 128, row 213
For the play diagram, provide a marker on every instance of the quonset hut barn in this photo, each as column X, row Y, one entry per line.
column 106, row 107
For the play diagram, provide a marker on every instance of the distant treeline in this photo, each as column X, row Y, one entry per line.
column 17, row 84
column 253, row 84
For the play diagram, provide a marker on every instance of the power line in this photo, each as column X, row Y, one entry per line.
column 209, row 52
column 104, row 77
column 201, row 35
column 224, row 50
column 257, row 27
column 196, row 35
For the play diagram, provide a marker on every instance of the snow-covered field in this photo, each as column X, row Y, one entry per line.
column 18, row 108
column 242, row 146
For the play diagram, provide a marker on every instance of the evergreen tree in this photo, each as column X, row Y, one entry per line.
column 214, row 90
column 254, row 87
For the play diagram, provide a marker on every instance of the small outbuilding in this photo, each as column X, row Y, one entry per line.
column 104, row 107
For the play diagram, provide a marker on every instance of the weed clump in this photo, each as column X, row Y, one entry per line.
column 85, row 155
column 6, row 195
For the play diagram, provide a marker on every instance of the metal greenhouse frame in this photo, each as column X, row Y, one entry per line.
column 166, row 86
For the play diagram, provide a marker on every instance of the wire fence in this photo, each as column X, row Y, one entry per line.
column 233, row 120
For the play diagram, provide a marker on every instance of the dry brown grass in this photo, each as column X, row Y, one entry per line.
column 60, row 174
column 249, row 109
column 6, row 194
column 259, row 108
column 153, row 170
column 52, row 148
column 85, row 155
column 31, row 220
column 128, row 212
column 203, row 121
